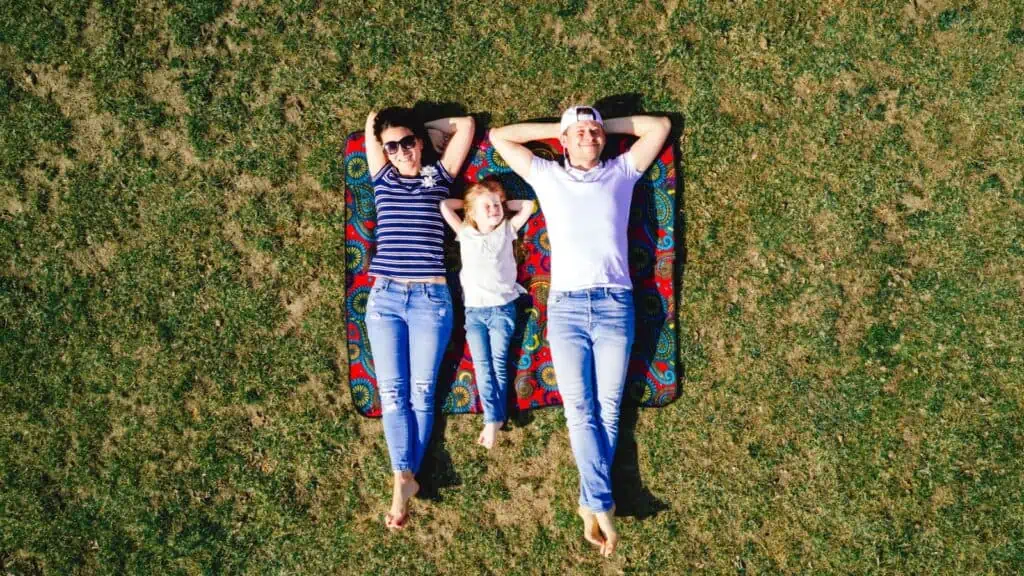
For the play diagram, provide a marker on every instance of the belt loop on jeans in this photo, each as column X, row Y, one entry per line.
column 384, row 282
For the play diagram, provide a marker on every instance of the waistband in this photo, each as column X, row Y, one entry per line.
column 408, row 285
column 598, row 292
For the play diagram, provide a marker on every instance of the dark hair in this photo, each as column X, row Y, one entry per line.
column 399, row 117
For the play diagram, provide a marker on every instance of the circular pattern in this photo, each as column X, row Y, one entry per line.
column 653, row 305
column 363, row 394
column 495, row 160
column 354, row 352
column 656, row 173
column 544, row 243
column 546, row 152
column 552, row 397
column 646, row 392
column 666, row 344
column 664, row 397
column 523, row 388
column 641, row 259
column 546, row 373
column 357, row 167
column 354, row 256
column 460, row 394
column 357, row 300
column 663, row 269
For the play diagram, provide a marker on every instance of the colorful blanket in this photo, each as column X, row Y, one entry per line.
column 652, row 371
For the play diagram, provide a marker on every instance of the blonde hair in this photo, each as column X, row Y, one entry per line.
column 489, row 184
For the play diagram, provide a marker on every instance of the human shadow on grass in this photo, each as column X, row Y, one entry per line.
column 632, row 497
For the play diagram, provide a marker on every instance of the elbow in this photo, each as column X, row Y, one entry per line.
column 664, row 125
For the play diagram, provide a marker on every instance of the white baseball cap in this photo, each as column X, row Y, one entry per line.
column 579, row 114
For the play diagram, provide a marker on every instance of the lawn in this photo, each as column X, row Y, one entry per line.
column 173, row 395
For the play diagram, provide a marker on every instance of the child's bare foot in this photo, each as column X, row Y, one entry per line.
column 404, row 489
column 606, row 520
column 591, row 532
column 489, row 434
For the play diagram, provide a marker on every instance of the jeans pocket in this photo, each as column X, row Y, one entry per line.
column 439, row 296
column 621, row 295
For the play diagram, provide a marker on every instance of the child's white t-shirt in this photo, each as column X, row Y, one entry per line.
column 488, row 273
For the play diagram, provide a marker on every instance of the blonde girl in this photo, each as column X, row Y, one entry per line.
column 489, row 288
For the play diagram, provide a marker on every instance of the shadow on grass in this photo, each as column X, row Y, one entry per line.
column 632, row 497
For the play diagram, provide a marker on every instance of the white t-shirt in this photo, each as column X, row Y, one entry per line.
column 587, row 213
column 488, row 273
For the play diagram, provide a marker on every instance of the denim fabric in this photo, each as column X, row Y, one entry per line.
column 397, row 313
column 590, row 332
column 488, row 331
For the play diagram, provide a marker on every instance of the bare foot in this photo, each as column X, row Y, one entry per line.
column 489, row 434
column 606, row 520
column 405, row 488
column 591, row 532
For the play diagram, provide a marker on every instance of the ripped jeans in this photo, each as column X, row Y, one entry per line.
column 409, row 326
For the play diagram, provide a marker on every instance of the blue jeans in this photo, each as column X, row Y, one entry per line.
column 591, row 333
column 488, row 331
column 407, row 372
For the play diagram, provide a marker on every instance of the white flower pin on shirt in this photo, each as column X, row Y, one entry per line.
column 428, row 173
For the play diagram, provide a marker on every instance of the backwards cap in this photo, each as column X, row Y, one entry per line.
column 579, row 114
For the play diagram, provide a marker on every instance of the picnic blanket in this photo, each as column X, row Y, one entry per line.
column 651, row 379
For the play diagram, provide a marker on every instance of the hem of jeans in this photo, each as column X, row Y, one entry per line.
column 493, row 421
column 595, row 510
column 402, row 469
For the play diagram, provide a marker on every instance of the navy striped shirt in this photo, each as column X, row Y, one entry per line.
column 410, row 228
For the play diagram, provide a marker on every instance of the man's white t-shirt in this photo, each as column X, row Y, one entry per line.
column 587, row 214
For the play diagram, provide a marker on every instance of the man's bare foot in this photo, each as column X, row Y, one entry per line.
column 404, row 489
column 606, row 520
column 489, row 434
column 591, row 532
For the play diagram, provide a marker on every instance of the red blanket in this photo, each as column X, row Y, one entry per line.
column 653, row 365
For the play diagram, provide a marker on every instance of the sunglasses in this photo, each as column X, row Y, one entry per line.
column 407, row 143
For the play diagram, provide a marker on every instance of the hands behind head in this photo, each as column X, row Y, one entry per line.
column 438, row 139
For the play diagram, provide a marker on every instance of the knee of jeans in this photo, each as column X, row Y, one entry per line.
column 389, row 399
column 422, row 395
column 579, row 413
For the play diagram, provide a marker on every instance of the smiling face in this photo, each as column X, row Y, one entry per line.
column 406, row 160
column 487, row 210
column 583, row 143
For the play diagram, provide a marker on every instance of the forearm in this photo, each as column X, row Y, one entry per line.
column 636, row 125
column 526, row 132
column 519, row 205
column 371, row 119
column 451, row 125
column 448, row 208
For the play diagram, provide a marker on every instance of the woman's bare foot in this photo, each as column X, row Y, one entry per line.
column 489, row 434
column 404, row 489
column 606, row 520
column 591, row 532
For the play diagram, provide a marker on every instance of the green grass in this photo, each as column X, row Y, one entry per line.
column 172, row 391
